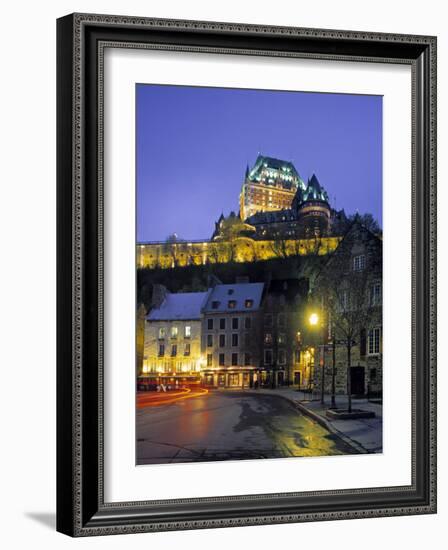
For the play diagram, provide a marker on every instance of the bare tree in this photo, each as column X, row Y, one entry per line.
column 343, row 290
column 279, row 246
column 172, row 248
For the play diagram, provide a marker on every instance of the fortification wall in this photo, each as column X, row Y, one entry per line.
column 241, row 249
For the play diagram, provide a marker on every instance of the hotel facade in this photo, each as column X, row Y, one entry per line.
column 231, row 335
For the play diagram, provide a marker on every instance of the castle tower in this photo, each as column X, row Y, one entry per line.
column 313, row 208
column 269, row 186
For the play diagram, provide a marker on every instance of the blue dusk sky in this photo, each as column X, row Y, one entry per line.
column 193, row 145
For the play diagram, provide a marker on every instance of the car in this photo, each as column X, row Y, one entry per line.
column 144, row 384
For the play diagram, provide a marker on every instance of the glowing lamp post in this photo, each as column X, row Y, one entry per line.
column 314, row 322
column 314, row 319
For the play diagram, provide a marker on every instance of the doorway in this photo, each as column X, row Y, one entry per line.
column 357, row 379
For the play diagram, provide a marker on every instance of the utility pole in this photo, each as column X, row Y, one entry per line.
column 349, row 371
column 333, row 373
column 322, row 395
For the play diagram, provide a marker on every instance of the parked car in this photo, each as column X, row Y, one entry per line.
column 144, row 384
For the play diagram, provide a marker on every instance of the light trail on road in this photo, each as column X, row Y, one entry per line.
column 156, row 399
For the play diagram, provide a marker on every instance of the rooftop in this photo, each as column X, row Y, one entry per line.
column 270, row 170
column 182, row 305
column 232, row 298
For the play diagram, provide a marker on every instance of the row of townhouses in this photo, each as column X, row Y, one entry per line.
column 251, row 334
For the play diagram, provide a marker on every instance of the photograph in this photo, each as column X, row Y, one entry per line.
column 258, row 274
column 246, row 274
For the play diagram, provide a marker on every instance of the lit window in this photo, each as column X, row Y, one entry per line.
column 209, row 359
column 374, row 341
column 249, row 303
column 232, row 304
column 268, row 338
column 187, row 331
column 359, row 262
column 281, row 338
column 162, row 333
column 174, row 332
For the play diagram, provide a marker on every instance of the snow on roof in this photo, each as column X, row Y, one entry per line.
column 237, row 297
column 182, row 305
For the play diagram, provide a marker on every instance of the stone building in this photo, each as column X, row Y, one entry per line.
column 350, row 288
column 308, row 216
column 270, row 185
column 282, row 360
column 172, row 352
column 231, row 335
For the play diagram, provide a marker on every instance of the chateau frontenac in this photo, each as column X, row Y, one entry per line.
column 279, row 215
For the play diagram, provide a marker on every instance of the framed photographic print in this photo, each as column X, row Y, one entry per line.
column 246, row 274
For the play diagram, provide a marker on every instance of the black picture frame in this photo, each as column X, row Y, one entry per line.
column 81, row 510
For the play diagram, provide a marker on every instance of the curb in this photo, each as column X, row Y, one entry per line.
column 320, row 420
column 328, row 425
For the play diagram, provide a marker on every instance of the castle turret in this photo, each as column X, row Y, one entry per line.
column 313, row 208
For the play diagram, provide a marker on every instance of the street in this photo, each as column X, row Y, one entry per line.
column 230, row 426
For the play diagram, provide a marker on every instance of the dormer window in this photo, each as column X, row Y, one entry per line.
column 215, row 304
column 230, row 291
column 248, row 303
column 232, row 304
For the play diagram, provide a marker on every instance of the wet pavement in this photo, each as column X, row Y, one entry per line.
column 230, row 426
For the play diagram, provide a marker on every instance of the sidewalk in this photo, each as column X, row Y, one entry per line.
column 366, row 434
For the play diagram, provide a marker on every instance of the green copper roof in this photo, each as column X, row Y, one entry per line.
column 314, row 191
column 271, row 171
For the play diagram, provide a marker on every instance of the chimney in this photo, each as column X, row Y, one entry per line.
column 158, row 295
column 212, row 281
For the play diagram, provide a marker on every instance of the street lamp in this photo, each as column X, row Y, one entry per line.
column 314, row 319
column 314, row 322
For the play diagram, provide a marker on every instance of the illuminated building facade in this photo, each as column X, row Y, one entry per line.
column 271, row 185
column 276, row 206
column 172, row 351
column 308, row 216
column 231, row 335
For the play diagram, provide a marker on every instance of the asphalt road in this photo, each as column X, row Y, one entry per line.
column 230, row 426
